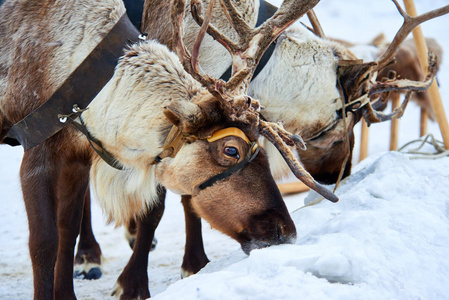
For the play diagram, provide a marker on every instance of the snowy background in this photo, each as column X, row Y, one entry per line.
column 387, row 238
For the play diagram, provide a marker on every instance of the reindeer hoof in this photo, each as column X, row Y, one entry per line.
column 117, row 290
column 185, row 273
column 120, row 292
column 87, row 271
column 92, row 274
column 153, row 244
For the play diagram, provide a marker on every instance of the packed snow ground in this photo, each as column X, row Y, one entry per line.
column 387, row 238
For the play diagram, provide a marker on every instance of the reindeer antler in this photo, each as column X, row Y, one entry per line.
column 364, row 73
column 246, row 54
column 190, row 62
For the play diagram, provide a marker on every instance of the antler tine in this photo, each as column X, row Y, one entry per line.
column 190, row 61
column 200, row 37
column 177, row 16
column 405, row 84
column 372, row 115
column 409, row 24
column 196, row 8
column 269, row 132
column 317, row 29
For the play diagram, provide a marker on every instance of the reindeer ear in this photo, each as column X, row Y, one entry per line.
column 185, row 115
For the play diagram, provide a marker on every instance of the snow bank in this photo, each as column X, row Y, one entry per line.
column 387, row 238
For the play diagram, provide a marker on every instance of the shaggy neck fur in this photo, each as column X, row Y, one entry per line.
column 127, row 117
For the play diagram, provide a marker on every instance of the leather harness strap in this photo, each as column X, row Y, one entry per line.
column 97, row 146
column 80, row 88
column 173, row 143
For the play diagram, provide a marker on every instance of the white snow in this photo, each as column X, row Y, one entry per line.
column 387, row 238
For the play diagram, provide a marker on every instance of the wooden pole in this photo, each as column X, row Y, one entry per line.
column 364, row 141
column 423, row 122
column 394, row 134
column 435, row 97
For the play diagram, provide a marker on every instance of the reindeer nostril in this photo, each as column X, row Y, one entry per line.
column 286, row 233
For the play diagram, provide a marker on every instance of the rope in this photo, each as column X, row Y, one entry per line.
column 418, row 153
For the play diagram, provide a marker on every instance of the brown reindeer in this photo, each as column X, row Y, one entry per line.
column 315, row 111
column 88, row 256
column 158, row 123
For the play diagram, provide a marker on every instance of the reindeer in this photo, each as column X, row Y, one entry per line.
column 337, row 90
column 158, row 123
column 316, row 111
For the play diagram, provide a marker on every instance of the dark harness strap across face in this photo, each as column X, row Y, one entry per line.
column 252, row 153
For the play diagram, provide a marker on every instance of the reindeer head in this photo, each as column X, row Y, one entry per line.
column 222, row 167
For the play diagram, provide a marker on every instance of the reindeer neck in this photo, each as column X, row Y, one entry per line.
column 127, row 115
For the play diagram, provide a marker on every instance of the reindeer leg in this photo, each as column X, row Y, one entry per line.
column 133, row 282
column 88, row 255
column 194, row 256
column 43, row 240
column 71, row 191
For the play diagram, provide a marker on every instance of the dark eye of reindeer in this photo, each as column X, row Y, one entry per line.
column 232, row 152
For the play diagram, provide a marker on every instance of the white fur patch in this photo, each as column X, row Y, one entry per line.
column 300, row 75
column 123, row 194
column 127, row 117
column 278, row 167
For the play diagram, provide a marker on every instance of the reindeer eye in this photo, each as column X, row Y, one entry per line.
column 232, row 152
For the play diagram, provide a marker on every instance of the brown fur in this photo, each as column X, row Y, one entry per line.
column 156, row 21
